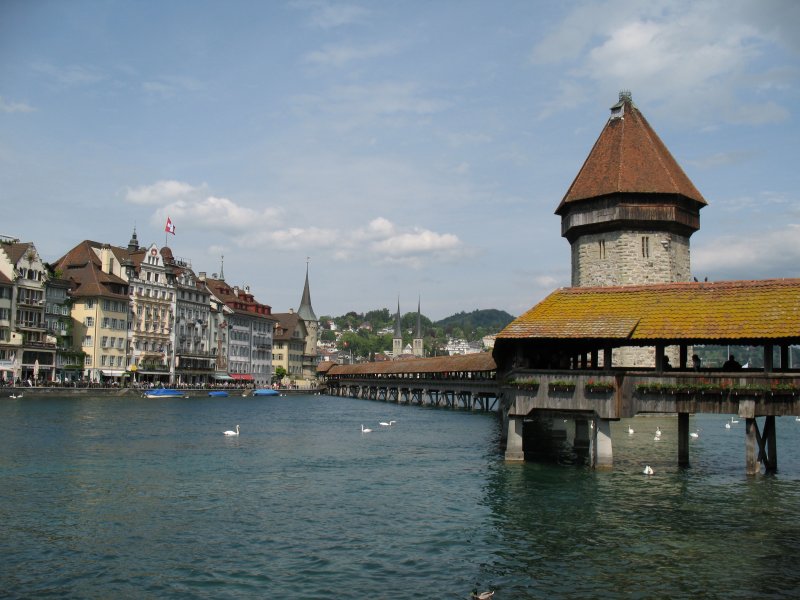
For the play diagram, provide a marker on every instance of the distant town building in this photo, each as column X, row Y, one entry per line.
column 26, row 350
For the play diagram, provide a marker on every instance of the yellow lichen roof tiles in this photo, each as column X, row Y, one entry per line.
column 728, row 310
column 481, row 361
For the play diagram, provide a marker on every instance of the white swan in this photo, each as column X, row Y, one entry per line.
column 648, row 470
column 657, row 438
column 695, row 434
column 734, row 421
column 630, row 430
column 229, row 432
column 727, row 425
column 365, row 429
column 383, row 424
column 658, row 431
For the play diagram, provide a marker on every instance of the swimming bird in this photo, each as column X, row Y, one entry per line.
column 383, row 424
column 695, row 434
column 229, row 432
column 658, row 431
column 365, row 429
column 657, row 438
column 648, row 470
column 734, row 421
column 482, row 595
column 727, row 425
column 630, row 430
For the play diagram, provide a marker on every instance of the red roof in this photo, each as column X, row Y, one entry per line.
column 629, row 157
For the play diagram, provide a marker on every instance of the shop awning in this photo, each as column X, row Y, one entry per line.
column 242, row 376
column 109, row 373
column 222, row 377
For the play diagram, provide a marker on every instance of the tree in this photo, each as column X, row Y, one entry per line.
column 280, row 373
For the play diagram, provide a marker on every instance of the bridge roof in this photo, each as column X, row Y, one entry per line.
column 481, row 361
column 741, row 311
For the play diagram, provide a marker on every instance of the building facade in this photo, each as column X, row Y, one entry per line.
column 28, row 345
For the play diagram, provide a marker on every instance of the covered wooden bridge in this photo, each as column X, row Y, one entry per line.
column 463, row 381
column 602, row 354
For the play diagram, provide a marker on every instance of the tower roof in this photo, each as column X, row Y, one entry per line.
column 629, row 157
column 305, row 311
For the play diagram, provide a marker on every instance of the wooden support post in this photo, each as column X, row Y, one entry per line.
column 602, row 448
column 770, row 444
column 785, row 357
column 751, row 436
column 768, row 362
column 514, row 451
column 683, row 439
column 684, row 354
column 607, row 354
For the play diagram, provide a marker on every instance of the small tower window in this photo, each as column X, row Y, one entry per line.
column 645, row 247
column 601, row 248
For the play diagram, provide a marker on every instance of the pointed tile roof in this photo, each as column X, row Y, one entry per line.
column 731, row 311
column 305, row 311
column 629, row 157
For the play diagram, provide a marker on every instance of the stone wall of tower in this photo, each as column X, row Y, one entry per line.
column 630, row 257
column 419, row 347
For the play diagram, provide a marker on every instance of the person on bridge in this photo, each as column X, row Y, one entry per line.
column 731, row 364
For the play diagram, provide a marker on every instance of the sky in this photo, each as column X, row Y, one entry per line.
column 401, row 151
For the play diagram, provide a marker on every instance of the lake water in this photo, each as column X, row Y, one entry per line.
column 135, row 498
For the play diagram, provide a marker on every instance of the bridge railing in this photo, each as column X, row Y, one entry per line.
column 624, row 393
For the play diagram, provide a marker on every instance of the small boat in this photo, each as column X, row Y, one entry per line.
column 218, row 394
column 164, row 393
column 265, row 392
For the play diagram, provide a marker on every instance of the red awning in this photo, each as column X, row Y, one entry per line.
column 242, row 376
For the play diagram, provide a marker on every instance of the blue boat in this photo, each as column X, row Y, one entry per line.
column 164, row 393
column 218, row 394
column 265, row 392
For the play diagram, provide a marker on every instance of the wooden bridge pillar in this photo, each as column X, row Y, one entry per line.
column 683, row 439
column 602, row 452
column 767, row 445
column 514, row 450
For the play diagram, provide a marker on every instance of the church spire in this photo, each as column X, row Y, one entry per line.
column 133, row 244
column 398, row 330
column 222, row 267
column 305, row 311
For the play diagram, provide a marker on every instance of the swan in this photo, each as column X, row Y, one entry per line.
column 695, row 434
column 483, row 595
column 727, row 425
column 658, row 431
column 657, row 438
column 365, row 429
column 734, row 421
column 648, row 470
column 630, row 430
column 383, row 424
column 229, row 432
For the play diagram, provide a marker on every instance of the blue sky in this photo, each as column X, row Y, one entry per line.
column 411, row 149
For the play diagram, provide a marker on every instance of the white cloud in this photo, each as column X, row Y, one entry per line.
column 69, row 75
column 160, row 192
column 698, row 62
column 766, row 254
column 13, row 107
column 169, row 87
column 341, row 55
column 329, row 15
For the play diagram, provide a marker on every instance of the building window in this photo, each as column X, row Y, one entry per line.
column 601, row 246
column 645, row 247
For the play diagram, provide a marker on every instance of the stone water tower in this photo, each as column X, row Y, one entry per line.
column 631, row 210
column 629, row 214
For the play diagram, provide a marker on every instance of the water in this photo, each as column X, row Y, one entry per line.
column 140, row 498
